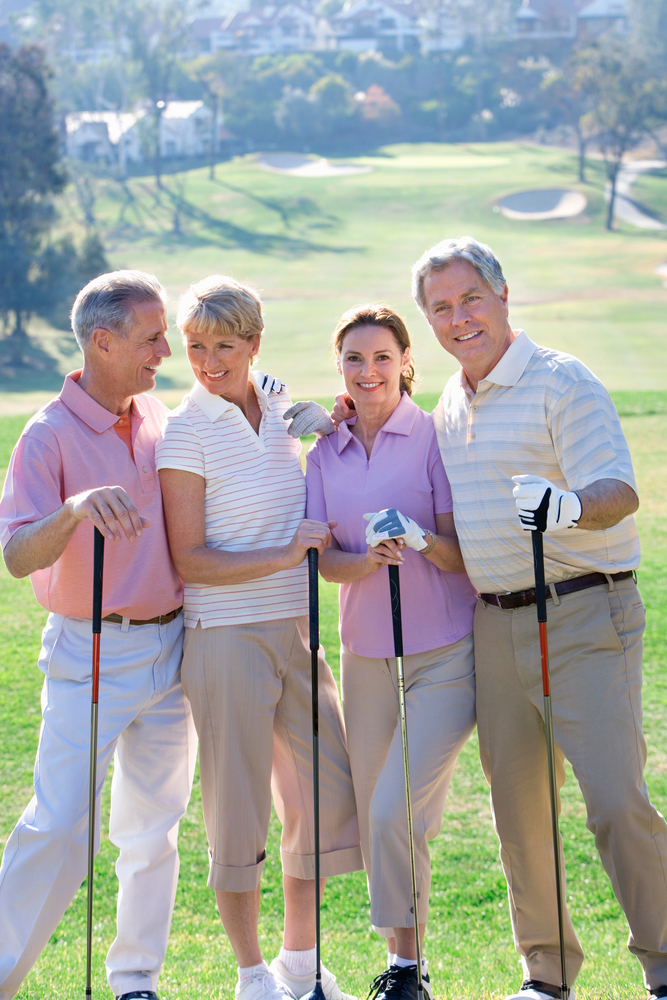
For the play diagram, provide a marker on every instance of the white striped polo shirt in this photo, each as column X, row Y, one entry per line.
column 255, row 498
column 543, row 413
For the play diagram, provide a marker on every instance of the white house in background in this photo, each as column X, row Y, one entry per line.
column 546, row 19
column 369, row 25
column 440, row 31
column 264, row 31
column 96, row 135
column 185, row 130
column 602, row 15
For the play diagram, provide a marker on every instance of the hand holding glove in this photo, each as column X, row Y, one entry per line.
column 308, row 418
column 543, row 507
column 392, row 524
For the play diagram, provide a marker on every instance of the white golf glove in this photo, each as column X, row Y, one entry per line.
column 392, row 524
column 537, row 511
column 308, row 418
column 271, row 386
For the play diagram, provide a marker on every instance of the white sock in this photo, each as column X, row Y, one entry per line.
column 391, row 958
column 403, row 963
column 299, row 963
column 252, row 970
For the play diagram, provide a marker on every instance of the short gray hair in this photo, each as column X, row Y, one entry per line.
column 447, row 252
column 219, row 303
column 106, row 303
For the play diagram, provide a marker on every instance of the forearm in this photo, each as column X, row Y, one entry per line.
column 219, row 567
column 447, row 554
column 343, row 567
column 605, row 503
column 38, row 545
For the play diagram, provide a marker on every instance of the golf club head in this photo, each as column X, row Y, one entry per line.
column 316, row 994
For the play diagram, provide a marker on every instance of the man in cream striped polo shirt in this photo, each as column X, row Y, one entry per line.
column 516, row 411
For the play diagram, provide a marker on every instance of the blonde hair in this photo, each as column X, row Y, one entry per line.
column 380, row 316
column 221, row 303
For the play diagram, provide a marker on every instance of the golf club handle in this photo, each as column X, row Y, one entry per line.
column 313, row 599
column 538, row 566
column 395, row 593
column 98, row 572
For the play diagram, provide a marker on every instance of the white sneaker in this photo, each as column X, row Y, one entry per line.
column 533, row 989
column 262, row 986
column 301, row 986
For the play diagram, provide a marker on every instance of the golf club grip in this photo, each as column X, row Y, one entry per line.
column 395, row 593
column 313, row 600
column 538, row 566
column 98, row 573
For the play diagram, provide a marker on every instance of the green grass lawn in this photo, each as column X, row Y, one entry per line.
column 469, row 940
column 316, row 246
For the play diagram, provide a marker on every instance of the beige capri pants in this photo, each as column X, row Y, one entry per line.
column 440, row 704
column 250, row 691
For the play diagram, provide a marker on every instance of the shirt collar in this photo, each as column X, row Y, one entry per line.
column 214, row 407
column 401, row 422
column 86, row 408
column 513, row 363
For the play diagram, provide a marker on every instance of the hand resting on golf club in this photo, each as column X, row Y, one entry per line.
column 600, row 505
column 38, row 545
column 392, row 524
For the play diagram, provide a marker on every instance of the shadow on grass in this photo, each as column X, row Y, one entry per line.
column 288, row 210
column 39, row 370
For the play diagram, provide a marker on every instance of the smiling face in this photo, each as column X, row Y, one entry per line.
column 468, row 318
column 135, row 359
column 221, row 362
column 371, row 363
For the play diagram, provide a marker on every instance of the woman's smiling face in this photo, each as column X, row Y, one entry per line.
column 221, row 362
column 371, row 363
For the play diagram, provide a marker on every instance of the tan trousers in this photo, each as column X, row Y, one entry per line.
column 440, row 703
column 250, row 690
column 595, row 646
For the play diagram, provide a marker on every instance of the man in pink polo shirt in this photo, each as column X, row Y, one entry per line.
column 87, row 459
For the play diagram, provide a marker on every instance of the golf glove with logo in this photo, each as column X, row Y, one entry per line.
column 308, row 418
column 563, row 509
column 271, row 386
column 392, row 524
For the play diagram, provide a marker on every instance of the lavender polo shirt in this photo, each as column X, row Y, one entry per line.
column 404, row 471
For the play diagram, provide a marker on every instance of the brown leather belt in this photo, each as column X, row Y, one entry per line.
column 524, row 598
column 160, row 620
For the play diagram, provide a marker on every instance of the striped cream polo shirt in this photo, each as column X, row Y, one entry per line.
column 255, row 498
column 542, row 413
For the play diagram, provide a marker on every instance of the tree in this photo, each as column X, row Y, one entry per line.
column 629, row 102
column 572, row 90
column 30, row 174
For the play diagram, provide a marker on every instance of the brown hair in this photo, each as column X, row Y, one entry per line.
column 380, row 316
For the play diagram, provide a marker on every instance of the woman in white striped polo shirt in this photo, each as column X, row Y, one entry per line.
column 234, row 497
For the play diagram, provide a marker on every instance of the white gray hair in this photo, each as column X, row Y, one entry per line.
column 447, row 252
column 106, row 303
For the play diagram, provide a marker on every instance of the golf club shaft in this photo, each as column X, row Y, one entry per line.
column 314, row 621
column 395, row 592
column 541, row 601
column 98, row 570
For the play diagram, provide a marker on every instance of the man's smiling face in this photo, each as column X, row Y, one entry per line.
column 468, row 317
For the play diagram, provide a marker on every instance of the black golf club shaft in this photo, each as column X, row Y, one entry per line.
column 397, row 624
column 98, row 572
column 541, row 601
column 314, row 622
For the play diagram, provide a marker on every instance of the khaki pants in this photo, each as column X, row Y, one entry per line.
column 440, row 703
column 595, row 647
column 250, row 690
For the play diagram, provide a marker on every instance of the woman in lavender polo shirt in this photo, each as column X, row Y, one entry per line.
column 387, row 457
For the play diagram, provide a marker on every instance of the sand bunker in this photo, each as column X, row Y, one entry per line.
column 298, row 165
column 548, row 203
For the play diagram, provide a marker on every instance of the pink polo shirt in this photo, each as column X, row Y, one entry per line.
column 71, row 446
column 404, row 471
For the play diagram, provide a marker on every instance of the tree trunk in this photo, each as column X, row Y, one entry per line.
column 158, row 150
column 613, row 173
column 18, row 342
column 582, row 142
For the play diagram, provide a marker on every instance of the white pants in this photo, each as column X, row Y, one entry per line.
column 145, row 719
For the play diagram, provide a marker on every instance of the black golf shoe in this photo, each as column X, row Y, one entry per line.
column 396, row 983
column 659, row 993
column 138, row 995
